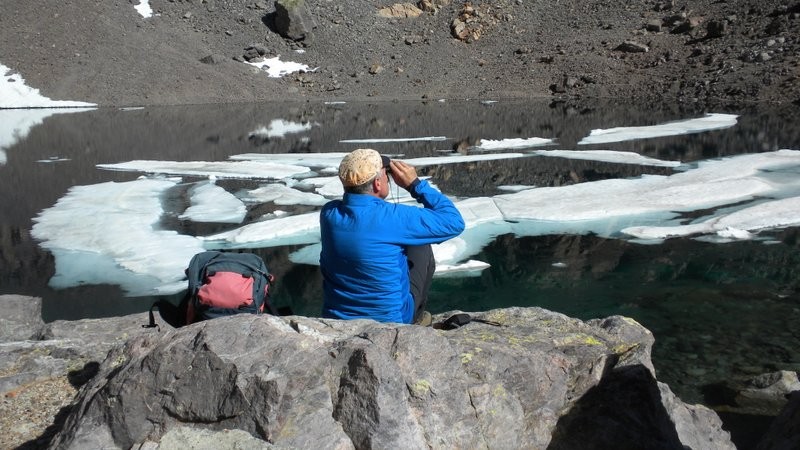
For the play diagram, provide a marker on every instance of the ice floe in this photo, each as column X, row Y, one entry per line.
column 738, row 225
column 282, row 195
column 385, row 140
column 211, row 203
column 512, row 143
column 707, row 123
column 109, row 233
column 289, row 230
column 219, row 169
column 739, row 196
column 310, row 160
column 609, row 156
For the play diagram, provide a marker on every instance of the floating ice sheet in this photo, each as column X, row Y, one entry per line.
column 619, row 134
column 515, row 187
column 282, row 195
column 211, row 203
column 329, row 187
column 458, row 159
column 740, row 195
column 116, row 239
column 712, row 184
column 219, row 169
column 310, row 160
column 738, row 225
column 332, row 160
column 471, row 268
column 389, row 140
column 289, row 230
column 512, row 143
column 609, row 156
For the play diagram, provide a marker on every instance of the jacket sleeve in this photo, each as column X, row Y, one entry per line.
column 438, row 221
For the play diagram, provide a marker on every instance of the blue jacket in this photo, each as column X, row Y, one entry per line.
column 363, row 261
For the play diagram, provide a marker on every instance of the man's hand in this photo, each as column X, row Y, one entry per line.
column 402, row 173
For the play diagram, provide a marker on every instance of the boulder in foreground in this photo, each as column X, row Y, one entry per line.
column 539, row 380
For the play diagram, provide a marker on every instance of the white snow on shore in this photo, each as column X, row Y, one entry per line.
column 275, row 68
column 14, row 93
column 23, row 107
column 144, row 9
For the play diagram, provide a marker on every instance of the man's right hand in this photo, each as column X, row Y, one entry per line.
column 403, row 173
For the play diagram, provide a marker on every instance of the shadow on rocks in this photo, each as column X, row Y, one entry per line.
column 44, row 440
column 269, row 21
column 624, row 411
column 76, row 378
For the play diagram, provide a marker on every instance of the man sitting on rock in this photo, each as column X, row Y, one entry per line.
column 376, row 257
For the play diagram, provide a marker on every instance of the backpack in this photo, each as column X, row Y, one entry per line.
column 223, row 284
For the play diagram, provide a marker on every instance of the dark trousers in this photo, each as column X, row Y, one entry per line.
column 421, row 266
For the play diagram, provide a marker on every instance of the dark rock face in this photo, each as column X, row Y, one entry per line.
column 784, row 433
column 539, row 379
column 292, row 20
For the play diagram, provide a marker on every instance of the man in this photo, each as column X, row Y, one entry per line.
column 376, row 257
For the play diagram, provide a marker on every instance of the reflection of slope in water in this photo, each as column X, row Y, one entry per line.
column 15, row 124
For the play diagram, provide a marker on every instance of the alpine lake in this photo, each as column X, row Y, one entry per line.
column 720, row 312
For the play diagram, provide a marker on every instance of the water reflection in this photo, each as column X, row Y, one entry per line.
column 716, row 310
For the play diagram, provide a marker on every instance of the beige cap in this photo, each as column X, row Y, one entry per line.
column 360, row 166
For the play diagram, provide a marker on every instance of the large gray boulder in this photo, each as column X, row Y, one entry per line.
column 293, row 21
column 538, row 379
column 21, row 317
column 768, row 393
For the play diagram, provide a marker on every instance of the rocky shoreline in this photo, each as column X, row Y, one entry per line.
column 541, row 379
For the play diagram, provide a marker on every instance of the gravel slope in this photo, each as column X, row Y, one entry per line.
column 703, row 51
